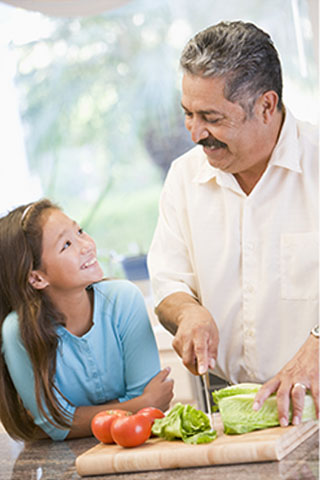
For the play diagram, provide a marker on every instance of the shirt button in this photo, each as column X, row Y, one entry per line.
column 250, row 288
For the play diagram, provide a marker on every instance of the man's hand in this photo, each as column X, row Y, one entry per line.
column 196, row 334
column 196, row 340
column 298, row 375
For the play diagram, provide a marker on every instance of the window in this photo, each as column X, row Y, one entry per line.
column 92, row 115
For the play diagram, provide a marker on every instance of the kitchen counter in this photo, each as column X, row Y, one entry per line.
column 47, row 460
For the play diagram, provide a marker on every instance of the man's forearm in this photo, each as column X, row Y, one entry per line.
column 171, row 310
column 196, row 336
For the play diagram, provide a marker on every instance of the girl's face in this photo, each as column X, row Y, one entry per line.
column 68, row 260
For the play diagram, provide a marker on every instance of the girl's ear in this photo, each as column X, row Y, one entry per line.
column 37, row 280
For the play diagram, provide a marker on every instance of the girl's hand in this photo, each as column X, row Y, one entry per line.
column 159, row 391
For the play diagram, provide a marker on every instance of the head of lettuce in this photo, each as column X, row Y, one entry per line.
column 235, row 404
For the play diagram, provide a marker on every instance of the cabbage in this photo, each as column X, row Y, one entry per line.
column 185, row 422
column 235, row 405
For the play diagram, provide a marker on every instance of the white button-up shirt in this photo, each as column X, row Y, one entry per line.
column 251, row 260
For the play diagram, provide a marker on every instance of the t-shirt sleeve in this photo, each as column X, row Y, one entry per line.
column 141, row 357
column 21, row 373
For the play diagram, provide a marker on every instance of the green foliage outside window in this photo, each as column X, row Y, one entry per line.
column 100, row 103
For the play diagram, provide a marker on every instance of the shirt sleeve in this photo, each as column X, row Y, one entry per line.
column 21, row 373
column 141, row 357
column 169, row 258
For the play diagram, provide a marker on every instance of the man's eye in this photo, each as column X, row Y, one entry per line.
column 212, row 120
column 188, row 114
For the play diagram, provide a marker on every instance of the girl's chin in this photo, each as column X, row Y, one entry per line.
column 100, row 276
column 97, row 275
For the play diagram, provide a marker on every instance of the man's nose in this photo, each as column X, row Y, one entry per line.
column 198, row 130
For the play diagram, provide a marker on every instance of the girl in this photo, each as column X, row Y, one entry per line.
column 72, row 344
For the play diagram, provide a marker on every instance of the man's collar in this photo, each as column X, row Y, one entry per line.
column 206, row 172
column 286, row 153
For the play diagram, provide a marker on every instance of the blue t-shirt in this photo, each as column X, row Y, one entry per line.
column 115, row 359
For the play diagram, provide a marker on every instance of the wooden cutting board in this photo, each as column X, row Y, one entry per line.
column 261, row 445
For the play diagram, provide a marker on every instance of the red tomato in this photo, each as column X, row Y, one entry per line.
column 131, row 431
column 152, row 413
column 102, row 421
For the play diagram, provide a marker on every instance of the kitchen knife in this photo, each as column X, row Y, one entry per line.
column 205, row 384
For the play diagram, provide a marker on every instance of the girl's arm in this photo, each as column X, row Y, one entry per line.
column 157, row 393
column 21, row 373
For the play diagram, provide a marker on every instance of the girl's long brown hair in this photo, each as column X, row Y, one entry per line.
column 20, row 252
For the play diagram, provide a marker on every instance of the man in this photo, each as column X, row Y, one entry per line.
column 233, row 261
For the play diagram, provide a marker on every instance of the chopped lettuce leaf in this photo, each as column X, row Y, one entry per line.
column 202, row 437
column 238, row 389
column 235, row 405
column 185, row 422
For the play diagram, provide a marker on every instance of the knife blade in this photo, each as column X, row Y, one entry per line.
column 205, row 384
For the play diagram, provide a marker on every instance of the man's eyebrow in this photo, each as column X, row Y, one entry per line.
column 203, row 112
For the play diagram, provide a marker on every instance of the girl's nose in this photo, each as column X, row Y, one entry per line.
column 85, row 247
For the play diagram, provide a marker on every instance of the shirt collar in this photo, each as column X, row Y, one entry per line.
column 206, row 172
column 286, row 154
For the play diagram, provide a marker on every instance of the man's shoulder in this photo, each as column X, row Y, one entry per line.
column 308, row 144
column 305, row 131
column 308, row 132
column 297, row 146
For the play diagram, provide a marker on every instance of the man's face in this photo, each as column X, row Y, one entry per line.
column 232, row 140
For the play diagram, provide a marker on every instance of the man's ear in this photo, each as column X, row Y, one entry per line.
column 37, row 280
column 267, row 105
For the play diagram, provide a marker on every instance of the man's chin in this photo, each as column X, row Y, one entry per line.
column 217, row 158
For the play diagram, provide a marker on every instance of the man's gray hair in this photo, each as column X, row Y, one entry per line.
column 241, row 53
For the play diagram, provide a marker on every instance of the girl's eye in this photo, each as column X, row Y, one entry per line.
column 80, row 231
column 66, row 245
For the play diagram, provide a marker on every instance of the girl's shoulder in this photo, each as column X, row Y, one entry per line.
column 10, row 329
column 116, row 290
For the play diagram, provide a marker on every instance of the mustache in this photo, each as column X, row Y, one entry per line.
column 212, row 142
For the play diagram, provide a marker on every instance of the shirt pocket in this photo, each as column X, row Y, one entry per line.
column 299, row 266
